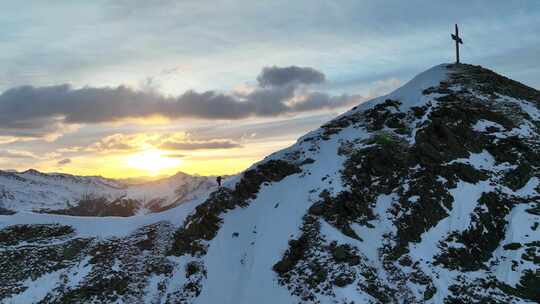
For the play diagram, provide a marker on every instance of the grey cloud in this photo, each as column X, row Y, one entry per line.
column 276, row 76
column 199, row 145
column 15, row 154
column 39, row 109
column 115, row 142
column 167, row 141
column 64, row 161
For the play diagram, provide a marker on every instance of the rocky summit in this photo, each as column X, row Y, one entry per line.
column 430, row 194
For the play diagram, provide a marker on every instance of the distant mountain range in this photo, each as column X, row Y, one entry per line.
column 68, row 194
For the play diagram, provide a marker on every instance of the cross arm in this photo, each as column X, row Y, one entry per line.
column 457, row 39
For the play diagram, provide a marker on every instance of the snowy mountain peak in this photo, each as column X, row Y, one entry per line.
column 427, row 195
column 410, row 94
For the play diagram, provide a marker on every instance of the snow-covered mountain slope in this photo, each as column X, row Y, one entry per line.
column 430, row 194
column 91, row 195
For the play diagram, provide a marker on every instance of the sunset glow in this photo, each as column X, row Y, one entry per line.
column 152, row 161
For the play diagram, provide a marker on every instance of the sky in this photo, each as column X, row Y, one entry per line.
column 131, row 88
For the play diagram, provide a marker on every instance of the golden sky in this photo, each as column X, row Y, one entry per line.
column 153, row 148
column 151, row 161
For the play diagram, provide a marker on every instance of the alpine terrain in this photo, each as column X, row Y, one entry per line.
column 430, row 194
column 96, row 196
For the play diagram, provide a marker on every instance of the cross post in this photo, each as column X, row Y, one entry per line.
column 458, row 42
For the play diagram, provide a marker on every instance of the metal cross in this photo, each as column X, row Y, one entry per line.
column 458, row 42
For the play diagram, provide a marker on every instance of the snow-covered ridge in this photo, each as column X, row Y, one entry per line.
column 411, row 93
column 32, row 190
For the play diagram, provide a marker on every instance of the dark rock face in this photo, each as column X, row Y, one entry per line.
column 114, row 268
column 313, row 265
column 485, row 234
column 16, row 234
column 100, row 206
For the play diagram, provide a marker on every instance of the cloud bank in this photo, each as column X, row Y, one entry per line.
column 276, row 76
column 179, row 141
column 33, row 111
column 16, row 154
column 199, row 145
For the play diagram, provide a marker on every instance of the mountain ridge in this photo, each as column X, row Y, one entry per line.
column 60, row 192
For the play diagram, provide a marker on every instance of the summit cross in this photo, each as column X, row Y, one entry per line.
column 458, row 42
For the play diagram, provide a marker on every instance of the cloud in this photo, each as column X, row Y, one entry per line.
column 276, row 76
column 12, row 139
column 121, row 143
column 16, row 154
column 64, row 161
column 199, row 145
column 19, row 129
column 41, row 111
column 113, row 143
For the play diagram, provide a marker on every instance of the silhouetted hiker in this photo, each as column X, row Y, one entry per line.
column 218, row 179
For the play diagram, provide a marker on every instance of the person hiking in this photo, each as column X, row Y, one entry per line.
column 218, row 179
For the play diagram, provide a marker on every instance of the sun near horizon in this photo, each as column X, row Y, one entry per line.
column 155, row 162
column 148, row 164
